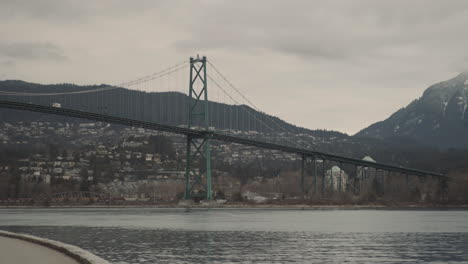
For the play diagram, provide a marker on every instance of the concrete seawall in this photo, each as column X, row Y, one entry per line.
column 75, row 253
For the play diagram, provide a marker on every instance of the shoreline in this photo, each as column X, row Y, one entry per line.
column 76, row 253
column 251, row 206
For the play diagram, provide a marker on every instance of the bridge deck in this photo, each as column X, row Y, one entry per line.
column 211, row 134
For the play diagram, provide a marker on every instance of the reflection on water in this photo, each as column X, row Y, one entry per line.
column 264, row 236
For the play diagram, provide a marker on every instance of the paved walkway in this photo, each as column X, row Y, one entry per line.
column 14, row 250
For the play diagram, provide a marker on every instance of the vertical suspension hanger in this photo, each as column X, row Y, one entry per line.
column 224, row 110
column 158, row 90
column 179, row 105
column 150, row 101
column 127, row 92
column 142, row 100
column 168, row 100
column 218, row 104
column 231, row 116
column 135, row 101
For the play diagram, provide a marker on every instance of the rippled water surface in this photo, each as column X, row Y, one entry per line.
column 244, row 236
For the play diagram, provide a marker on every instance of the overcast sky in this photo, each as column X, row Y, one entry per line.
column 338, row 65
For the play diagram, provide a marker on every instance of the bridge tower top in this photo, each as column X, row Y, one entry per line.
column 198, row 114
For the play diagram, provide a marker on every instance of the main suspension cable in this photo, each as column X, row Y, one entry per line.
column 147, row 78
column 248, row 112
column 251, row 103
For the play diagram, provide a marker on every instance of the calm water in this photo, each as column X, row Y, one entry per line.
column 244, row 236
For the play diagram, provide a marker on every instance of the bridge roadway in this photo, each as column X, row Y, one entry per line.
column 211, row 134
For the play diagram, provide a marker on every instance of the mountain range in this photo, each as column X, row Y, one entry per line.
column 161, row 107
column 439, row 117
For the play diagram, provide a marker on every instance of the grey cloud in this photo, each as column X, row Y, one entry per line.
column 459, row 63
column 328, row 30
column 32, row 51
column 357, row 51
column 319, row 29
column 40, row 10
column 8, row 63
column 74, row 10
column 311, row 50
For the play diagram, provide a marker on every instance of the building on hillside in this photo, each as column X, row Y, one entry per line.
column 370, row 177
column 365, row 172
column 336, row 179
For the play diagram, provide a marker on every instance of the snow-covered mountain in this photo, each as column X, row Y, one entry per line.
column 439, row 117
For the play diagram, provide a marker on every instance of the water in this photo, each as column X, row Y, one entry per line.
column 139, row 235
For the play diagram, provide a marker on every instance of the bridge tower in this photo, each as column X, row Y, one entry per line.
column 198, row 183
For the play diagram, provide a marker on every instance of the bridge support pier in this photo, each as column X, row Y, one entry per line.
column 323, row 178
column 303, row 161
column 443, row 189
column 340, row 180
column 315, row 176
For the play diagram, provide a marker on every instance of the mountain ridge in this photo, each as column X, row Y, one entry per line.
column 401, row 150
column 439, row 117
column 172, row 108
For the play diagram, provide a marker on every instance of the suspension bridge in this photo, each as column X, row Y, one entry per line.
column 160, row 101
